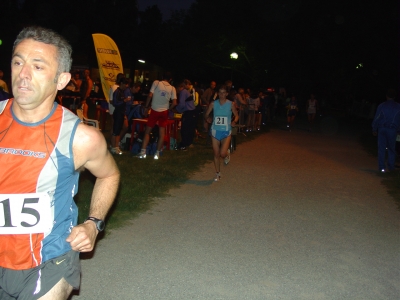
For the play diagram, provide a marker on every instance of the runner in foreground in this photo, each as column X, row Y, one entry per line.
column 221, row 127
column 43, row 148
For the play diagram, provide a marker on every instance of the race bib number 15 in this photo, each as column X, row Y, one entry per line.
column 25, row 213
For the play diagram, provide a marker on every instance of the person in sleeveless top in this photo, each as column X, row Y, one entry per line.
column 41, row 239
column 221, row 127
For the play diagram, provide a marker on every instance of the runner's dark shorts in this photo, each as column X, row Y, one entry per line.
column 36, row 282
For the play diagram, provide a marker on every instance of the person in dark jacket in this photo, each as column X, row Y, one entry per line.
column 386, row 125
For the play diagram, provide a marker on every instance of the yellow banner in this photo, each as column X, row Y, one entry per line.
column 108, row 59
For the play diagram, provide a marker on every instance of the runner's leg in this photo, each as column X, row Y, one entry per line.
column 225, row 145
column 60, row 291
column 216, row 148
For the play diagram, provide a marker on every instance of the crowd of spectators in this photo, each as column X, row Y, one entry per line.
column 256, row 107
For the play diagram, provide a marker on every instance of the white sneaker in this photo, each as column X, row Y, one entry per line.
column 157, row 155
column 227, row 158
column 141, row 155
column 116, row 150
column 217, row 177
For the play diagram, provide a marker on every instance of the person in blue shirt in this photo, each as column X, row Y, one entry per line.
column 188, row 110
column 120, row 98
column 221, row 127
column 386, row 125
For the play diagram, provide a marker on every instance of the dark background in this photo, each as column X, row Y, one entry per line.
column 305, row 46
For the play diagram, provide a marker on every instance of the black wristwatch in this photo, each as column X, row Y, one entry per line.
column 100, row 225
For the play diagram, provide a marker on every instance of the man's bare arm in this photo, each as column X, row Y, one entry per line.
column 90, row 152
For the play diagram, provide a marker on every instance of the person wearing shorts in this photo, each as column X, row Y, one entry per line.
column 160, row 95
column 312, row 105
column 221, row 127
column 39, row 253
column 292, row 109
column 24, row 284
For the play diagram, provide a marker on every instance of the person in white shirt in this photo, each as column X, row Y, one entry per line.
column 161, row 92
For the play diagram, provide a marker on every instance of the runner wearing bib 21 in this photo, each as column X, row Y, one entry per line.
column 221, row 127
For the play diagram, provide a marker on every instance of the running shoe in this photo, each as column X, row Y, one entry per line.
column 116, row 150
column 227, row 158
column 141, row 155
column 217, row 177
column 157, row 155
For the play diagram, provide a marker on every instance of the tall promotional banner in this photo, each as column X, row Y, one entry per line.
column 108, row 59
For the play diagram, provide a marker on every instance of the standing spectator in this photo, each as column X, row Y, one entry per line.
column 264, row 107
column 386, row 125
column 187, row 108
column 206, row 99
column 241, row 105
column 230, row 89
column 253, row 103
column 247, row 111
column 42, row 262
column 258, row 110
column 221, row 127
column 312, row 105
column 271, row 105
column 77, row 82
column 281, row 103
column 120, row 98
column 274, row 105
column 3, row 84
column 111, row 92
column 292, row 109
column 86, row 86
column 161, row 92
column 132, row 108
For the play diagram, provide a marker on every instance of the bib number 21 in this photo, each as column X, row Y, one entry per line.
column 221, row 121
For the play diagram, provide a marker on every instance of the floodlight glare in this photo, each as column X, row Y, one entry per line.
column 234, row 55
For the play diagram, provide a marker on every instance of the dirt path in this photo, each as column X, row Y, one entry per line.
column 297, row 215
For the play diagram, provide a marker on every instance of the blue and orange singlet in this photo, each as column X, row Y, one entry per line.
column 36, row 158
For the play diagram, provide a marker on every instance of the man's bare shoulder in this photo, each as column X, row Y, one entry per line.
column 88, row 143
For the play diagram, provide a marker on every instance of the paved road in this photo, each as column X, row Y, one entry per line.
column 297, row 215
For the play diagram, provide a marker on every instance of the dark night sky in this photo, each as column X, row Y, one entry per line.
column 336, row 34
column 165, row 6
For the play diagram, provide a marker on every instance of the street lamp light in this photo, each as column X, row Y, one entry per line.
column 234, row 57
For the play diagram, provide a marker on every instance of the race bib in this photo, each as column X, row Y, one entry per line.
column 25, row 213
column 221, row 121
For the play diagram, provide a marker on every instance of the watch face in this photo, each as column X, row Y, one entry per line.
column 100, row 225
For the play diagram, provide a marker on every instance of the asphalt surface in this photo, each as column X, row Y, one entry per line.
column 297, row 215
